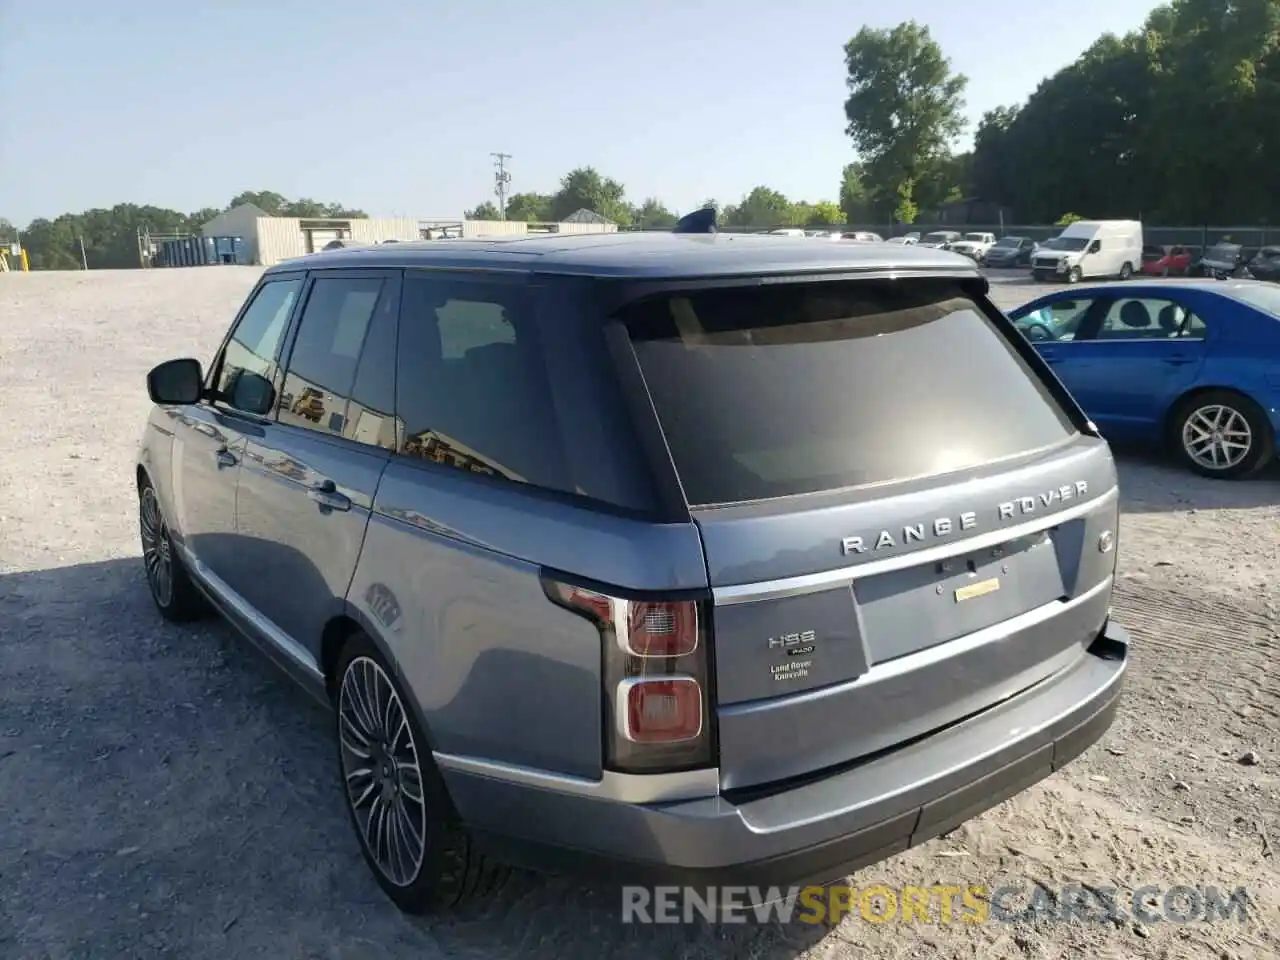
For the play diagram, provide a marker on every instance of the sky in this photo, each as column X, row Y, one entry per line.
column 394, row 106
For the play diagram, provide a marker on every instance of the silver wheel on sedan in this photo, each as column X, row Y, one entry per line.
column 1217, row 437
column 382, row 772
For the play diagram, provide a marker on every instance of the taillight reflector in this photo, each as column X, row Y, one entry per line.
column 667, row 710
column 661, row 629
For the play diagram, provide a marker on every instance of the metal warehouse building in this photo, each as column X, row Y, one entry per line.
column 271, row 239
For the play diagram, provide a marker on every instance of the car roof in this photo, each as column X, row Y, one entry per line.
column 1128, row 289
column 639, row 255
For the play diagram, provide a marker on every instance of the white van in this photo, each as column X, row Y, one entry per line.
column 1090, row 248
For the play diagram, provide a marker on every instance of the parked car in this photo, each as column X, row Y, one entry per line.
column 939, row 239
column 1266, row 265
column 639, row 519
column 1165, row 261
column 863, row 236
column 1192, row 366
column 1010, row 252
column 974, row 245
column 909, row 240
column 1090, row 248
column 1224, row 259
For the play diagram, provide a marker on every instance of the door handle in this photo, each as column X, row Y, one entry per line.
column 326, row 496
column 1178, row 361
column 226, row 458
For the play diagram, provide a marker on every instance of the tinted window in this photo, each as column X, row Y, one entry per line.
column 472, row 386
column 255, row 343
column 326, row 350
column 790, row 389
column 371, row 412
column 1146, row 318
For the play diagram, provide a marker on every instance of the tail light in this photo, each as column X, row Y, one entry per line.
column 655, row 671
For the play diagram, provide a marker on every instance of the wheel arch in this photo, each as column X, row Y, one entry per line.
column 341, row 628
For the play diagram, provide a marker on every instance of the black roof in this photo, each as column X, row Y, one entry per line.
column 643, row 256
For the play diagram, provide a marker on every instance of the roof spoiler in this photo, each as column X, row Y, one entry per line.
column 700, row 221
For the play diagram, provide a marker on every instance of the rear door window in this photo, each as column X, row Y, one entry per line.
column 1145, row 318
column 790, row 389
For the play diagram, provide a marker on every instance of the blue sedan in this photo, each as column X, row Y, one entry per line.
column 1192, row 365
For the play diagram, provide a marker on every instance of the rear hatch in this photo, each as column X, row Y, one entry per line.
column 897, row 510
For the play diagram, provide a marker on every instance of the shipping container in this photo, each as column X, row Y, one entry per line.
column 209, row 250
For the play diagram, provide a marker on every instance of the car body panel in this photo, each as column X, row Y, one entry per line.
column 1015, row 252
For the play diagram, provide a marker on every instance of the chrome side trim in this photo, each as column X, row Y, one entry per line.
column 813, row 582
column 618, row 787
column 241, row 608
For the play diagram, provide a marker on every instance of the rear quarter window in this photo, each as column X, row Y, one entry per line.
column 788, row 389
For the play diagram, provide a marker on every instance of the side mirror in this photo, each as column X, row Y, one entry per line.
column 1095, row 247
column 176, row 382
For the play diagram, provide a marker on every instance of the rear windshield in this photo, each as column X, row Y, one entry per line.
column 1264, row 298
column 795, row 388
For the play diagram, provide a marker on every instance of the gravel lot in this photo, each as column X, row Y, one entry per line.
column 167, row 793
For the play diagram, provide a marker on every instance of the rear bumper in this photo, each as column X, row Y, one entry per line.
column 823, row 828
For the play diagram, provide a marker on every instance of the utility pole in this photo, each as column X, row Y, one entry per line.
column 501, row 178
column 84, row 261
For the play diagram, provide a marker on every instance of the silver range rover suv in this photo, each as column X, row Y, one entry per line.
column 684, row 558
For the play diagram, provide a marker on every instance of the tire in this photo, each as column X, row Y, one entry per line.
column 174, row 594
column 1037, row 276
column 1073, row 275
column 1126, row 271
column 1236, row 417
column 438, row 867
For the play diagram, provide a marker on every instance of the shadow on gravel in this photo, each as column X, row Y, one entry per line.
column 168, row 792
column 1151, row 482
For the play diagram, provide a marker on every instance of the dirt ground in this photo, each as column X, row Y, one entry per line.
column 167, row 793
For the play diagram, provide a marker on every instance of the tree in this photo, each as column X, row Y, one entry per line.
column 854, row 201
column 268, row 201
column 904, row 107
column 653, row 215
column 585, row 189
column 762, row 207
column 484, row 211
column 824, row 213
column 530, row 207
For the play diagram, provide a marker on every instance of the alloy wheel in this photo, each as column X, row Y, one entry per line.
column 382, row 772
column 1217, row 437
column 157, row 555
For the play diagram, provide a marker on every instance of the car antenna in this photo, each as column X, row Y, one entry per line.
column 700, row 221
